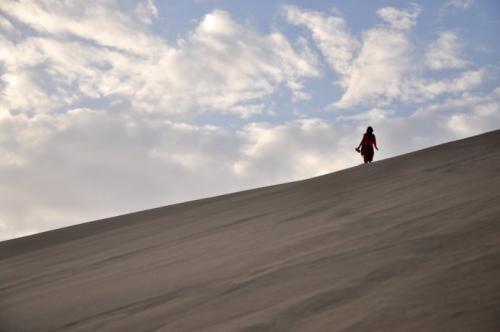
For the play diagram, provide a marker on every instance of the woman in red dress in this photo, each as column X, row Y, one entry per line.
column 367, row 143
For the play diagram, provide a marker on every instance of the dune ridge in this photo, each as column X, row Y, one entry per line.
column 410, row 243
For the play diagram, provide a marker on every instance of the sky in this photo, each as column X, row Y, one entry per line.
column 109, row 107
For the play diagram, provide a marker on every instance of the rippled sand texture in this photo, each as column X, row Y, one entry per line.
column 410, row 243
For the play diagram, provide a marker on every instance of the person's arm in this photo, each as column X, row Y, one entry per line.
column 361, row 143
column 375, row 142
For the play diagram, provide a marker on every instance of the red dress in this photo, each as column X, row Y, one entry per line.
column 367, row 144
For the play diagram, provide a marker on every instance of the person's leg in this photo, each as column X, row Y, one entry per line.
column 369, row 154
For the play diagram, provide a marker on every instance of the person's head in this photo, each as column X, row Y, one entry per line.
column 369, row 130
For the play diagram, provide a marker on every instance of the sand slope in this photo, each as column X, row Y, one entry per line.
column 406, row 244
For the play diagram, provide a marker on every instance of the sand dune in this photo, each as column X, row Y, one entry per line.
column 410, row 243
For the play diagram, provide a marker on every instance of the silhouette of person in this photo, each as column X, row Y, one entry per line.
column 367, row 144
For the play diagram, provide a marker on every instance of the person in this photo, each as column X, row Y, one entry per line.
column 367, row 143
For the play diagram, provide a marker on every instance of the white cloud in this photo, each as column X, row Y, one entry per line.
column 420, row 90
column 385, row 66
column 468, row 115
column 224, row 64
column 5, row 24
column 379, row 71
column 220, row 66
column 104, row 23
column 294, row 150
column 484, row 117
column 330, row 34
column 247, row 110
column 466, row 102
column 460, row 4
column 399, row 19
column 445, row 52
column 373, row 70
column 146, row 11
column 370, row 116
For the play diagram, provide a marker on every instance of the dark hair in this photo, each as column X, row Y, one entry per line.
column 369, row 131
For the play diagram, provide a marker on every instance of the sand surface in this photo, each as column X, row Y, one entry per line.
column 410, row 243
